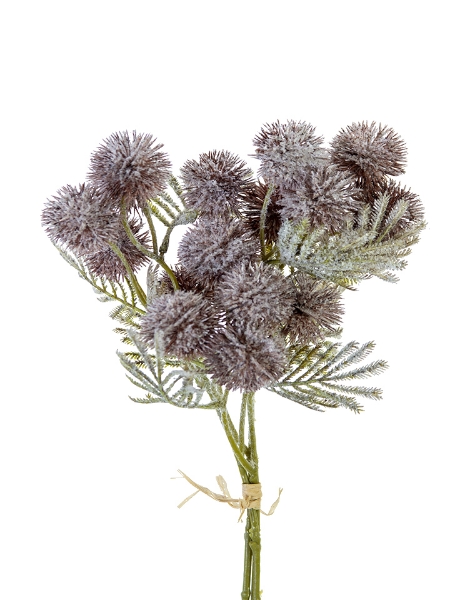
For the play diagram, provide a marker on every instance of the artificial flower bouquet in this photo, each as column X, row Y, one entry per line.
column 255, row 299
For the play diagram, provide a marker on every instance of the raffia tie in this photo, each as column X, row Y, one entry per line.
column 251, row 495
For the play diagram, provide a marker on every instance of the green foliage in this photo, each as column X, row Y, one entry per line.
column 316, row 371
column 186, row 386
column 360, row 251
column 107, row 291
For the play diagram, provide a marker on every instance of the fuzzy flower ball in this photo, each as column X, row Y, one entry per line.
column 215, row 185
column 210, row 248
column 285, row 150
column 255, row 296
column 127, row 167
column 106, row 263
column 80, row 219
column 252, row 206
column 247, row 360
column 316, row 308
column 369, row 153
column 185, row 319
column 326, row 197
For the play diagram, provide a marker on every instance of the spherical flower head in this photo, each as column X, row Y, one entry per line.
column 210, row 248
column 252, row 206
column 106, row 263
column 255, row 296
column 246, row 360
column 317, row 307
column 186, row 321
column 127, row 167
column 326, row 197
column 369, row 153
column 215, row 185
column 80, row 219
column 285, row 149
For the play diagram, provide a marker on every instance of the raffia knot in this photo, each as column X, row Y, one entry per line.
column 251, row 495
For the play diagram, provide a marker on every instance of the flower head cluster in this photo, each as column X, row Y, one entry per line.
column 261, row 262
column 216, row 184
column 127, row 167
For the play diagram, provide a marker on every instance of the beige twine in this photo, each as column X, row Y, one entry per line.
column 251, row 495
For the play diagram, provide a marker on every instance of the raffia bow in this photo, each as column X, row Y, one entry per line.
column 251, row 495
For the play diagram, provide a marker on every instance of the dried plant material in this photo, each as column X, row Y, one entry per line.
column 185, row 319
column 252, row 206
column 245, row 361
column 210, row 248
column 127, row 167
column 317, row 308
column 80, row 218
column 285, row 150
column 216, row 184
column 256, row 297
column 369, row 153
column 326, row 198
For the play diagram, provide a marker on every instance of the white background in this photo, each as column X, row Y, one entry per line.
column 88, row 509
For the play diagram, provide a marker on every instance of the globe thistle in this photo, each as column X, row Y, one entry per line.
column 215, row 185
column 210, row 248
column 255, row 297
column 131, row 168
column 326, row 197
column 185, row 319
column 106, row 263
column 316, row 307
column 246, row 360
column 369, row 153
column 285, row 150
column 252, row 206
column 79, row 218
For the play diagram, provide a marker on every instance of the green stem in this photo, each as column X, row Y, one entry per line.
column 254, row 514
column 246, row 583
column 228, row 427
column 153, row 255
column 262, row 222
column 139, row 291
column 148, row 216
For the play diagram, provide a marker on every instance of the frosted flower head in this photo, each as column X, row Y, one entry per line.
column 317, row 307
column 106, row 263
column 285, row 149
column 210, row 248
column 369, row 153
column 326, row 197
column 255, row 296
column 215, row 185
column 251, row 212
column 246, row 360
column 127, row 167
column 80, row 219
column 185, row 319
